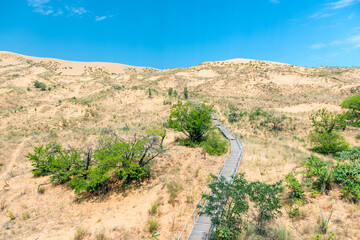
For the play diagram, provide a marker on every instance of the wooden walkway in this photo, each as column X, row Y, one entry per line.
column 202, row 226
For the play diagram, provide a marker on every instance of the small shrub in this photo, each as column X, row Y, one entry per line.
column 80, row 233
column 11, row 215
column 40, row 85
column 358, row 136
column 214, row 145
column 296, row 191
column 319, row 173
column 295, row 213
column 153, row 224
column 41, row 190
column 328, row 142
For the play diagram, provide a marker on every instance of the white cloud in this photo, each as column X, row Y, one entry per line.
column 318, row 46
column 353, row 40
column 78, row 11
column 275, row 1
column 41, row 7
column 321, row 15
column 342, row 3
column 100, row 18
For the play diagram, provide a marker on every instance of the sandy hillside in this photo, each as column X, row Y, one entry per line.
column 83, row 98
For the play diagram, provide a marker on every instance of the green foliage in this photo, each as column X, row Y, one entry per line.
column 154, row 236
column 228, row 205
column 194, row 121
column 352, row 103
column 233, row 200
column 40, row 85
column 294, row 213
column 175, row 93
column 186, row 93
column 347, row 173
column 214, row 145
column 296, row 192
column 114, row 159
column 358, row 136
column 327, row 142
column 325, row 121
column 170, row 91
column 266, row 198
column 235, row 115
column 149, row 92
column 320, row 173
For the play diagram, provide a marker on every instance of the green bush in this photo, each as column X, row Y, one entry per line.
column 296, row 189
column 353, row 115
column 327, row 142
column 214, row 145
column 347, row 173
column 40, row 85
column 192, row 120
column 229, row 204
column 319, row 173
column 358, row 136
column 325, row 121
column 114, row 159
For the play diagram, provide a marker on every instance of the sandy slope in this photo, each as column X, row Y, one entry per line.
column 86, row 97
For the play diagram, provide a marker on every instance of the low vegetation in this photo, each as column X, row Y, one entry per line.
column 115, row 159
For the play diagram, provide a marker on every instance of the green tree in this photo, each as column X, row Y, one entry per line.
column 353, row 115
column 325, row 121
column 149, row 92
column 170, row 91
column 192, row 120
column 320, row 172
column 228, row 205
column 267, row 199
column 186, row 93
column 325, row 139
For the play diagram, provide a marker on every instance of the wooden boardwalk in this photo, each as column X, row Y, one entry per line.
column 202, row 226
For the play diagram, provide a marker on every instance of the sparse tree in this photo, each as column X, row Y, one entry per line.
column 193, row 120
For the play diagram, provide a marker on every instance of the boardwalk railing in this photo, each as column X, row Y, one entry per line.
column 199, row 227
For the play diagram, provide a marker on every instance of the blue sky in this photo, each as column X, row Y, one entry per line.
column 169, row 33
